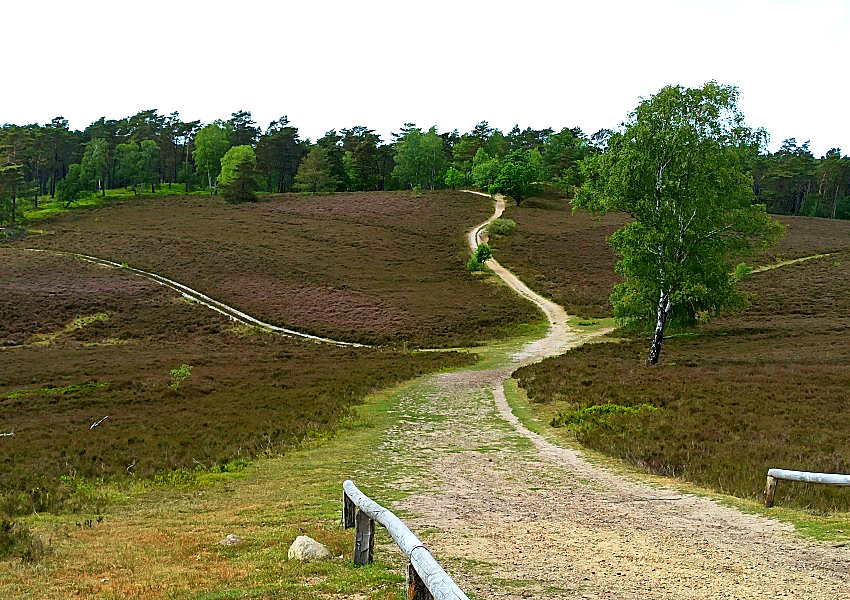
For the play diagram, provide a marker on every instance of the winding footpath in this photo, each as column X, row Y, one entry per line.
column 511, row 515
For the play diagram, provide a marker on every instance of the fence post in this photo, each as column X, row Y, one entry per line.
column 769, row 491
column 416, row 589
column 364, row 539
column 348, row 511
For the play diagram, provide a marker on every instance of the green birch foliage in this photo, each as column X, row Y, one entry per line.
column 419, row 160
column 676, row 167
column 93, row 166
column 211, row 144
column 484, row 169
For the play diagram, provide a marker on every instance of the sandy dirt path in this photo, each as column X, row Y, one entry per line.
column 511, row 515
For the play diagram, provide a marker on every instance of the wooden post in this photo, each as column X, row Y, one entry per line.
column 364, row 539
column 348, row 511
column 416, row 589
column 769, row 491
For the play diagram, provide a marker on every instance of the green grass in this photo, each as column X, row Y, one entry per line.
column 589, row 325
column 80, row 389
column 50, row 208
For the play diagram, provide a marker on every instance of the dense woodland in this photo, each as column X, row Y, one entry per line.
column 150, row 150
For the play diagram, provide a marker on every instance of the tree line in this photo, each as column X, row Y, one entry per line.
column 150, row 150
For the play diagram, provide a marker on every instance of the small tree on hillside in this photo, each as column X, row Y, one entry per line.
column 127, row 161
column 314, row 173
column 677, row 169
column 149, row 164
column 519, row 176
column 238, row 179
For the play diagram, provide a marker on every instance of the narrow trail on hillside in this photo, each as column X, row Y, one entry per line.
column 512, row 515
column 196, row 296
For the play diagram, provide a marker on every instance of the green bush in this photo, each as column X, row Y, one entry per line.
column 472, row 265
column 178, row 375
column 590, row 416
column 16, row 540
column 742, row 270
column 483, row 253
column 501, row 227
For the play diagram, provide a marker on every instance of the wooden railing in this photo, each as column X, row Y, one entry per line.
column 426, row 579
column 774, row 475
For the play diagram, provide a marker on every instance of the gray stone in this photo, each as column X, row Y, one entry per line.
column 305, row 548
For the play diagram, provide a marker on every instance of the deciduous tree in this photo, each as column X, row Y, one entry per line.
column 676, row 168
column 519, row 176
column 238, row 177
column 211, row 144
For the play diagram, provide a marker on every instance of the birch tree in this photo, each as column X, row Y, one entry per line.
column 211, row 144
column 676, row 168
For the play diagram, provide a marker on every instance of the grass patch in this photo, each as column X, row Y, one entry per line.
column 80, row 389
column 45, row 339
column 596, row 415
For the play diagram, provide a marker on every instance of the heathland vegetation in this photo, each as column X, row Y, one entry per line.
column 761, row 389
column 364, row 267
column 183, row 389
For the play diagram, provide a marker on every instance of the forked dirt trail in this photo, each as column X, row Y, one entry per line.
column 511, row 515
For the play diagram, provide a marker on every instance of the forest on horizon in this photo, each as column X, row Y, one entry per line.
column 150, row 150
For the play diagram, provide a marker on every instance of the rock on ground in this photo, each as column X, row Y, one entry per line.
column 305, row 548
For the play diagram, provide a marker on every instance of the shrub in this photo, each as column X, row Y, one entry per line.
column 454, row 178
column 472, row 265
column 483, row 253
column 178, row 375
column 501, row 227
column 742, row 270
column 16, row 540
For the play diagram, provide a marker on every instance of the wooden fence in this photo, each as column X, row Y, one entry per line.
column 426, row 579
column 774, row 475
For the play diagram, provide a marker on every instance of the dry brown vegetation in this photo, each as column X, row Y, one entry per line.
column 561, row 255
column 566, row 257
column 370, row 267
column 81, row 342
column 765, row 388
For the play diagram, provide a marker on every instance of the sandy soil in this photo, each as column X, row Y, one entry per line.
column 514, row 516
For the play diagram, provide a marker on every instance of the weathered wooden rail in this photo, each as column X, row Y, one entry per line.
column 774, row 475
column 426, row 579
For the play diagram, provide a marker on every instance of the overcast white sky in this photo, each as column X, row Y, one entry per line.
column 329, row 64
